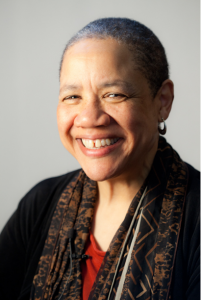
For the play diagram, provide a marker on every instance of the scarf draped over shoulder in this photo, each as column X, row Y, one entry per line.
column 151, row 262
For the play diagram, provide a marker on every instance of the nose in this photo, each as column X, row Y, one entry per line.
column 92, row 115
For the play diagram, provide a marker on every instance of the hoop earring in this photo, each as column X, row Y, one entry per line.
column 164, row 129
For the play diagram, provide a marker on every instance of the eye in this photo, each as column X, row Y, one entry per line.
column 114, row 97
column 71, row 99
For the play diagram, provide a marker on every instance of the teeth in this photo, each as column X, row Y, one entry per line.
column 103, row 142
column 94, row 144
column 91, row 143
column 97, row 143
column 108, row 142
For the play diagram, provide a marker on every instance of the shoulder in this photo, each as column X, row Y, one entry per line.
column 191, row 217
column 190, row 235
column 48, row 185
column 193, row 195
column 46, row 189
column 23, row 237
column 185, row 283
column 37, row 206
column 192, row 202
column 193, row 179
column 42, row 198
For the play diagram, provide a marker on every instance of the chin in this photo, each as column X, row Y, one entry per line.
column 96, row 176
column 98, row 173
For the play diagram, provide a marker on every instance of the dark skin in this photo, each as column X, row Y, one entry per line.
column 104, row 97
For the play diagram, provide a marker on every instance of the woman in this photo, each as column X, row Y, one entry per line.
column 126, row 225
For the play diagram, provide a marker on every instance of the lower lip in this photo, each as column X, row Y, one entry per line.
column 100, row 151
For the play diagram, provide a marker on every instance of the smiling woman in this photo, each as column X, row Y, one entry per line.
column 95, row 106
column 126, row 225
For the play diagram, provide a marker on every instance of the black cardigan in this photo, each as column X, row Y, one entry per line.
column 23, row 238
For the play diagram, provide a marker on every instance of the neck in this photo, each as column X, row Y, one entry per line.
column 124, row 187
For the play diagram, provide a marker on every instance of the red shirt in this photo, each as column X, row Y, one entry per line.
column 90, row 266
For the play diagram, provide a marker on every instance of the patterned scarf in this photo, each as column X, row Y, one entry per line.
column 151, row 265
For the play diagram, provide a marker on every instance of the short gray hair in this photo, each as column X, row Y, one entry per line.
column 148, row 52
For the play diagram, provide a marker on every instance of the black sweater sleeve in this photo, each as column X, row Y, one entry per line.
column 186, row 274
column 191, row 237
column 23, row 237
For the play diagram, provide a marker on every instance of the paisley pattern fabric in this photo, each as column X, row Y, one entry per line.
column 152, row 258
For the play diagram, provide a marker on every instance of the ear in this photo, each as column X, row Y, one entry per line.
column 165, row 96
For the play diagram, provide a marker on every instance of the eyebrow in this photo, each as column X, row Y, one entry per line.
column 117, row 83
column 69, row 87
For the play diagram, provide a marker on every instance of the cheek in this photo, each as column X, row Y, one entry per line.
column 64, row 119
column 143, row 116
column 140, row 124
column 131, row 118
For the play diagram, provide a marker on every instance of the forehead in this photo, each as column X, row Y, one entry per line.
column 108, row 50
column 100, row 45
column 99, row 62
column 99, row 55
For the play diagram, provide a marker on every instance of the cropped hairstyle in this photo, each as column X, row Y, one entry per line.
column 148, row 52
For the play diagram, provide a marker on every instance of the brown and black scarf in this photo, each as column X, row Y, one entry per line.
column 151, row 265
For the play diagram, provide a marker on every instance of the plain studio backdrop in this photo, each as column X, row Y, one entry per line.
column 33, row 36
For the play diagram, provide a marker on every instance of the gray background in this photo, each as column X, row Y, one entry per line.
column 33, row 35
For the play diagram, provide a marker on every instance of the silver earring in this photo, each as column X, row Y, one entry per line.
column 164, row 129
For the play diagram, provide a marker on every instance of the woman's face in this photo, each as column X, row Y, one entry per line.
column 107, row 118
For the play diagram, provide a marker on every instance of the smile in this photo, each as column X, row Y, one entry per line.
column 99, row 143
